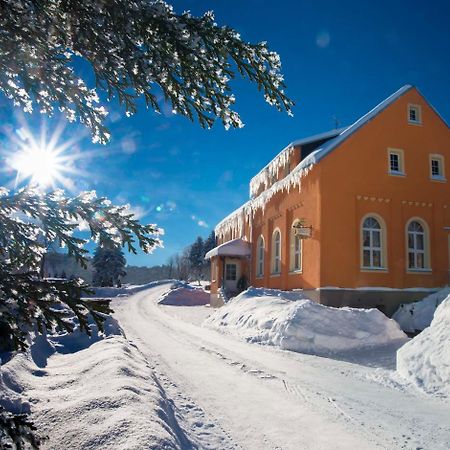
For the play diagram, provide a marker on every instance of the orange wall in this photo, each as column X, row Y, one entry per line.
column 351, row 182
column 356, row 182
column 280, row 213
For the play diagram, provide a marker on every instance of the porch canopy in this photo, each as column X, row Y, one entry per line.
column 236, row 247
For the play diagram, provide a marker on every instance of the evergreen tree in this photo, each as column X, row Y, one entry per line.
column 109, row 264
column 135, row 49
column 210, row 243
column 29, row 302
column 196, row 255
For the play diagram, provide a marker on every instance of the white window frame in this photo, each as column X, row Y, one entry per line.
column 382, row 248
column 260, row 249
column 296, row 249
column 418, row 112
column 401, row 161
column 441, row 163
column 425, row 252
column 276, row 252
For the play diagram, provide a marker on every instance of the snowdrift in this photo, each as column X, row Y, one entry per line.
column 417, row 316
column 272, row 317
column 104, row 395
column 185, row 295
column 425, row 360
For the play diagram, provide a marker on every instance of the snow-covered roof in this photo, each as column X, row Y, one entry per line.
column 236, row 219
column 236, row 247
column 282, row 158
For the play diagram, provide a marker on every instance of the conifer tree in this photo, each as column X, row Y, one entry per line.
column 133, row 50
column 109, row 263
column 196, row 255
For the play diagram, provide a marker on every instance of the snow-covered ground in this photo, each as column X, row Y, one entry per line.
column 172, row 383
column 426, row 358
column 104, row 396
column 417, row 316
column 293, row 322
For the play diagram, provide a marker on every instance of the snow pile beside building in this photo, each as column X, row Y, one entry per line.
column 426, row 359
column 103, row 396
column 185, row 295
column 271, row 317
column 418, row 315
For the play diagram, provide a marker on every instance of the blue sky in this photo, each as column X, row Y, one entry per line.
column 339, row 60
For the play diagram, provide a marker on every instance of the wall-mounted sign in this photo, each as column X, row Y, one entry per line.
column 302, row 231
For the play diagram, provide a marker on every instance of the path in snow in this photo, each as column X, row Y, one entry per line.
column 230, row 394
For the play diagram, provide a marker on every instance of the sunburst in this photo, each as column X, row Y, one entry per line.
column 41, row 162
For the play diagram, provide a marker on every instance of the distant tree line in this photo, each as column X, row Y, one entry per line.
column 108, row 266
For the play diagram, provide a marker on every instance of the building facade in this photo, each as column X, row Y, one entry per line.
column 356, row 217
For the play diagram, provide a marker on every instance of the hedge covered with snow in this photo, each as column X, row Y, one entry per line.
column 292, row 322
column 425, row 360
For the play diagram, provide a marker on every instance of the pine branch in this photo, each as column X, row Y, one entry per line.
column 135, row 49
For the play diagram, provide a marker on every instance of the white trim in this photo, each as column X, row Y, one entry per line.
column 401, row 161
column 441, row 163
column 426, row 245
column 382, row 248
column 418, row 109
column 260, row 258
column 273, row 256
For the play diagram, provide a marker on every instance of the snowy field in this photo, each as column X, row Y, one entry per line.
column 162, row 379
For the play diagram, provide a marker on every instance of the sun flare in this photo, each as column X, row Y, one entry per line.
column 43, row 161
column 40, row 164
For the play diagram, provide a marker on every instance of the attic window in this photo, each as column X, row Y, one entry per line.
column 414, row 114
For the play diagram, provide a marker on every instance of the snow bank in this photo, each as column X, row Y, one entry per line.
column 418, row 315
column 104, row 396
column 126, row 290
column 272, row 317
column 426, row 359
column 185, row 295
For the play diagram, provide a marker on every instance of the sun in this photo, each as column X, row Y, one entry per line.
column 41, row 161
column 42, row 165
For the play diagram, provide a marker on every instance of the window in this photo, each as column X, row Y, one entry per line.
column 295, row 250
column 395, row 162
column 414, row 114
column 437, row 167
column 417, row 245
column 276, row 252
column 230, row 272
column 260, row 257
column 372, row 244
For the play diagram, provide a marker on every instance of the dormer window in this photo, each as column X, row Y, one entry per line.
column 395, row 162
column 414, row 114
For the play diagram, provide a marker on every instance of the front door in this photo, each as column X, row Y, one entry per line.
column 232, row 274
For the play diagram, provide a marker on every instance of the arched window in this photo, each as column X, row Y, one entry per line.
column 260, row 257
column 295, row 249
column 373, row 245
column 418, row 256
column 276, row 252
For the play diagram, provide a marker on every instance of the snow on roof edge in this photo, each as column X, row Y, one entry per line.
column 303, row 167
column 235, row 247
column 321, row 152
column 302, row 141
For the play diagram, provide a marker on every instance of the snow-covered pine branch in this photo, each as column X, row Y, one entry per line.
column 135, row 49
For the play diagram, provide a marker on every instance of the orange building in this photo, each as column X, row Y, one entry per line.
column 354, row 217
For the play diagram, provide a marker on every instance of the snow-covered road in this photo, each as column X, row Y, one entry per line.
column 231, row 394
